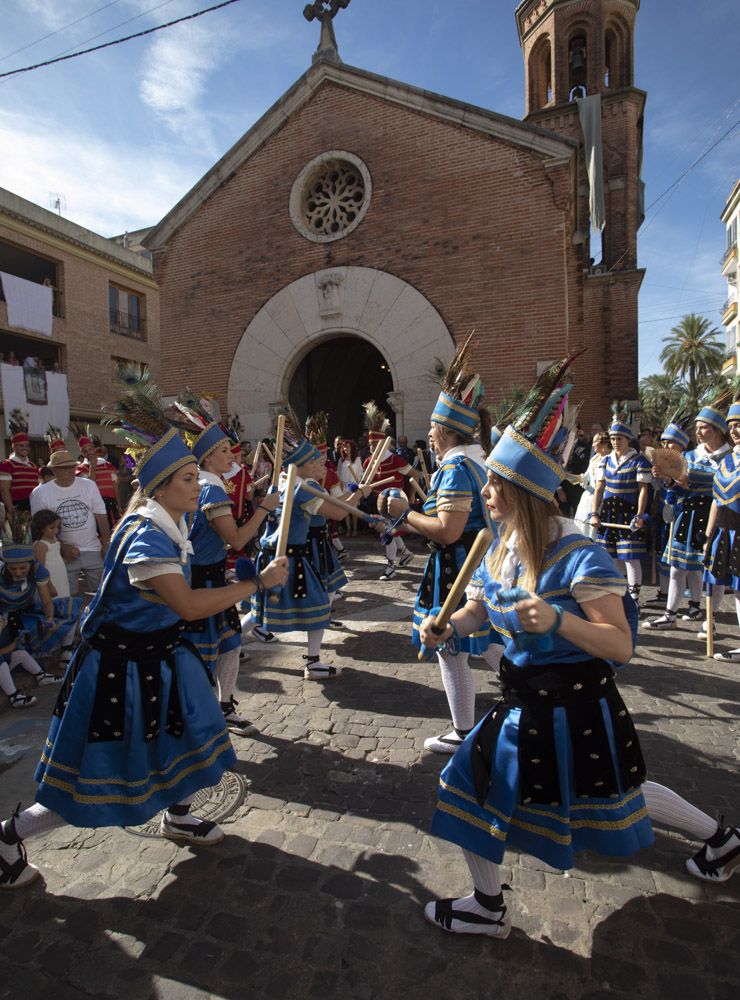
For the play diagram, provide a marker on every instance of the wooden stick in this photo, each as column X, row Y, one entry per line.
column 419, row 491
column 270, row 456
column 368, row 487
column 423, row 467
column 377, row 461
column 369, row 465
column 473, row 559
column 710, row 624
column 282, row 538
column 284, row 529
column 619, row 527
column 261, row 480
column 323, row 495
column 256, row 456
column 278, row 457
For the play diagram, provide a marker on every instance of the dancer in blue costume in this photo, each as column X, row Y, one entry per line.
column 556, row 767
column 303, row 604
column 722, row 551
column 622, row 484
column 450, row 519
column 690, row 529
column 137, row 728
column 45, row 624
column 323, row 554
column 218, row 638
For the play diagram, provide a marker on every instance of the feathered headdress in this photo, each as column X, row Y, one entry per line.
column 543, row 424
column 138, row 416
column 375, row 419
column 55, row 439
column 203, row 432
column 16, row 537
column 297, row 450
column 459, row 380
column 715, row 402
column 18, row 424
column 317, row 427
column 676, row 429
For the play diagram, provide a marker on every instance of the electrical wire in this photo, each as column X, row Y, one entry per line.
column 58, row 30
column 118, row 41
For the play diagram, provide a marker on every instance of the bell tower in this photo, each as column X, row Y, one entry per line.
column 578, row 48
column 574, row 49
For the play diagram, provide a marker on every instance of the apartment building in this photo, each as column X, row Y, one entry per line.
column 730, row 216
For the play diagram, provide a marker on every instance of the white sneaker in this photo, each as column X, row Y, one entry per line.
column 731, row 656
column 20, row 700
column 406, row 558
column 234, row 722
column 719, row 858
column 443, row 744
column 263, row 635
column 15, row 871
column 665, row 621
column 44, row 680
column 389, row 572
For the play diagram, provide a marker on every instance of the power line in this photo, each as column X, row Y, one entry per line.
column 121, row 24
column 118, row 41
column 58, row 30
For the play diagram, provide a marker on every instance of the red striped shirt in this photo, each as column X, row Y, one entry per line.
column 105, row 477
column 23, row 478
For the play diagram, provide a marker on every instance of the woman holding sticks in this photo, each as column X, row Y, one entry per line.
column 556, row 767
column 722, row 550
column 136, row 728
column 212, row 528
column 303, row 604
column 450, row 518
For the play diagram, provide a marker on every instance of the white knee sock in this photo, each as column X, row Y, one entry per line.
column 35, row 820
column 400, row 546
column 459, row 685
column 337, row 544
column 22, row 658
column 621, row 568
column 248, row 622
column 694, row 582
column 183, row 818
column 486, row 874
column 676, row 588
column 737, row 606
column 314, row 642
column 633, row 568
column 390, row 550
column 6, row 681
column 666, row 807
column 718, row 592
column 227, row 668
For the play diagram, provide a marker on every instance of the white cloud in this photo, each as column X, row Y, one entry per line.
column 102, row 182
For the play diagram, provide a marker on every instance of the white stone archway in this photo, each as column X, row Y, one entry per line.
column 340, row 301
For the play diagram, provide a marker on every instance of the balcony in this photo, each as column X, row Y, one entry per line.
column 127, row 325
column 729, row 260
column 729, row 310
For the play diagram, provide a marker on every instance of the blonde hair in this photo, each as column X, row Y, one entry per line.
column 531, row 518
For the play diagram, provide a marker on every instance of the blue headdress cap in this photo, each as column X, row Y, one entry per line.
column 675, row 433
column 160, row 461
column 303, row 452
column 15, row 552
column 455, row 415
column 209, row 439
column 619, row 428
column 525, row 464
column 708, row 415
column 734, row 413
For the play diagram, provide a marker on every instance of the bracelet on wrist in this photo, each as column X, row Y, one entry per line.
column 259, row 584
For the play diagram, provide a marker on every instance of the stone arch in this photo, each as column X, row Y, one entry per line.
column 340, row 301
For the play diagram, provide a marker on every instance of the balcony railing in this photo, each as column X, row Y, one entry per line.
column 729, row 309
column 127, row 325
column 729, row 254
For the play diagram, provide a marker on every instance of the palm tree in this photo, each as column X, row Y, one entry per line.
column 693, row 352
column 660, row 395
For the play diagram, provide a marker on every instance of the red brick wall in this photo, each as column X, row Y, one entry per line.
column 476, row 225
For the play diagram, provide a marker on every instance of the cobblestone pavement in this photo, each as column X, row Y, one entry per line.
column 318, row 887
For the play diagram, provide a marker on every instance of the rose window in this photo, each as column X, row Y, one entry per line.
column 330, row 197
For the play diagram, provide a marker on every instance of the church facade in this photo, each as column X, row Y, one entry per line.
column 349, row 240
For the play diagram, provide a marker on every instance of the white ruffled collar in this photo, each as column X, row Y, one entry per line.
column 177, row 533
column 210, row 477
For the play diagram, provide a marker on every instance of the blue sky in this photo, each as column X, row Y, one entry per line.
column 125, row 132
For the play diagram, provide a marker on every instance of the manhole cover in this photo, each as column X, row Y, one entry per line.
column 215, row 803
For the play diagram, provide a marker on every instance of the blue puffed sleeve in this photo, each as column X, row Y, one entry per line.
column 151, row 545
column 41, row 573
column 452, row 487
column 212, row 497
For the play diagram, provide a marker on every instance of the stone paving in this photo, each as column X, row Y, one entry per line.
column 318, row 887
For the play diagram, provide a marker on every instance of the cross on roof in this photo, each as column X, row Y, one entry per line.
column 325, row 11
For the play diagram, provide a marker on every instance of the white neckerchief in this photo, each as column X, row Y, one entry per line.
column 558, row 527
column 233, row 471
column 736, row 449
column 177, row 533
column 19, row 460
column 714, row 457
column 210, row 477
column 620, row 461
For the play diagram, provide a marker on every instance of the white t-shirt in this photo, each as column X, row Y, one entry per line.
column 76, row 506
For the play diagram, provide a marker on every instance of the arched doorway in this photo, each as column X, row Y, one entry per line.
column 338, row 376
